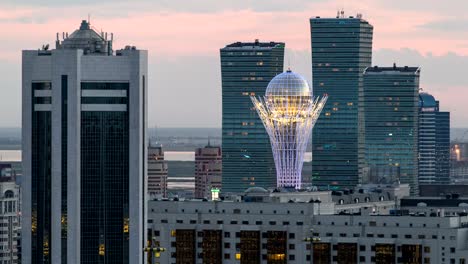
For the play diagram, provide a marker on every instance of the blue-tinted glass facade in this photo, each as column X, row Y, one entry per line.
column 442, row 145
column 341, row 50
column 389, row 142
column 246, row 70
column 433, row 142
column 428, row 108
column 41, row 178
column 104, row 180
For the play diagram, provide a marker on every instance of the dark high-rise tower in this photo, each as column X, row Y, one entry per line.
column 388, row 109
column 246, row 70
column 84, row 151
column 341, row 50
column 434, row 142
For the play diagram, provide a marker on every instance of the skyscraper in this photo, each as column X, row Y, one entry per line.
column 388, row 109
column 341, row 50
column 289, row 113
column 208, row 170
column 84, row 151
column 434, row 142
column 157, row 172
column 246, row 70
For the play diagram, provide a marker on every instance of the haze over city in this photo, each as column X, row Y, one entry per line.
column 184, row 38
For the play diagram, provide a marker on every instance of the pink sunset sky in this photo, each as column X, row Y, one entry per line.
column 184, row 38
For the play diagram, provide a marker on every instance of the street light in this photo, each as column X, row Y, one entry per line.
column 312, row 239
column 154, row 252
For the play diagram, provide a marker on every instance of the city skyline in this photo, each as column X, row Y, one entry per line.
column 428, row 35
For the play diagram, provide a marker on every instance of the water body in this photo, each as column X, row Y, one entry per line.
column 15, row 155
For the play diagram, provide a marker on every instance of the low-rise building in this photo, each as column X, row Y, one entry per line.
column 259, row 226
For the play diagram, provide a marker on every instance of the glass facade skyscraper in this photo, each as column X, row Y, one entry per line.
column 434, row 142
column 246, row 70
column 84, row 152
column 341, row 50
column 389, row 119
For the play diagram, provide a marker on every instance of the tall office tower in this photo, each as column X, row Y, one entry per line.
column 341, row 50
column 389, row 116
column 84, row 151
column 433, row 142
column 9, row 215
column 246, row 70
column 289, row 113
column 157, row 172
column 208, row 170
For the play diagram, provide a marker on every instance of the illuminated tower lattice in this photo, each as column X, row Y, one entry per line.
column 288, row 112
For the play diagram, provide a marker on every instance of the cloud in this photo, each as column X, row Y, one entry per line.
column 194, row 6
column 450, row 25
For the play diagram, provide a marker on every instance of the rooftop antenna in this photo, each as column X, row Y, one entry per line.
column 209, row 143
column 89, row 18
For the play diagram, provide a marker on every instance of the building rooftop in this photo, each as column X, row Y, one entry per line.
column 427, row 100
column 254, row 45
column 340, row 14
column 393, row 69
column 87, row 39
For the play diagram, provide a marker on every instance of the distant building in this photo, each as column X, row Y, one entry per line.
column 443, row 189
column 246, row 70
column 157, row 172
column 9, row 217
column 389, row 118
column 208, row 171
column 341, row 50
column 459, row 162
column 433, row 142
column 84, row 151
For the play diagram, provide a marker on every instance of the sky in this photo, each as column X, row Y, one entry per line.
column 184, row 37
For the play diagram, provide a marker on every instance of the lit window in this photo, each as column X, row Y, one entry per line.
column 335, row 108
column 238, row 256
column 260, row 63
column 259, row 53
column 327, row 114
column 245, row 93
column 335, row 69
column 321, row 84
column 350, row 104
column 173, row 233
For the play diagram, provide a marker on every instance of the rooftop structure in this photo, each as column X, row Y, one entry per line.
column 86, row 39
column 288, row 112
